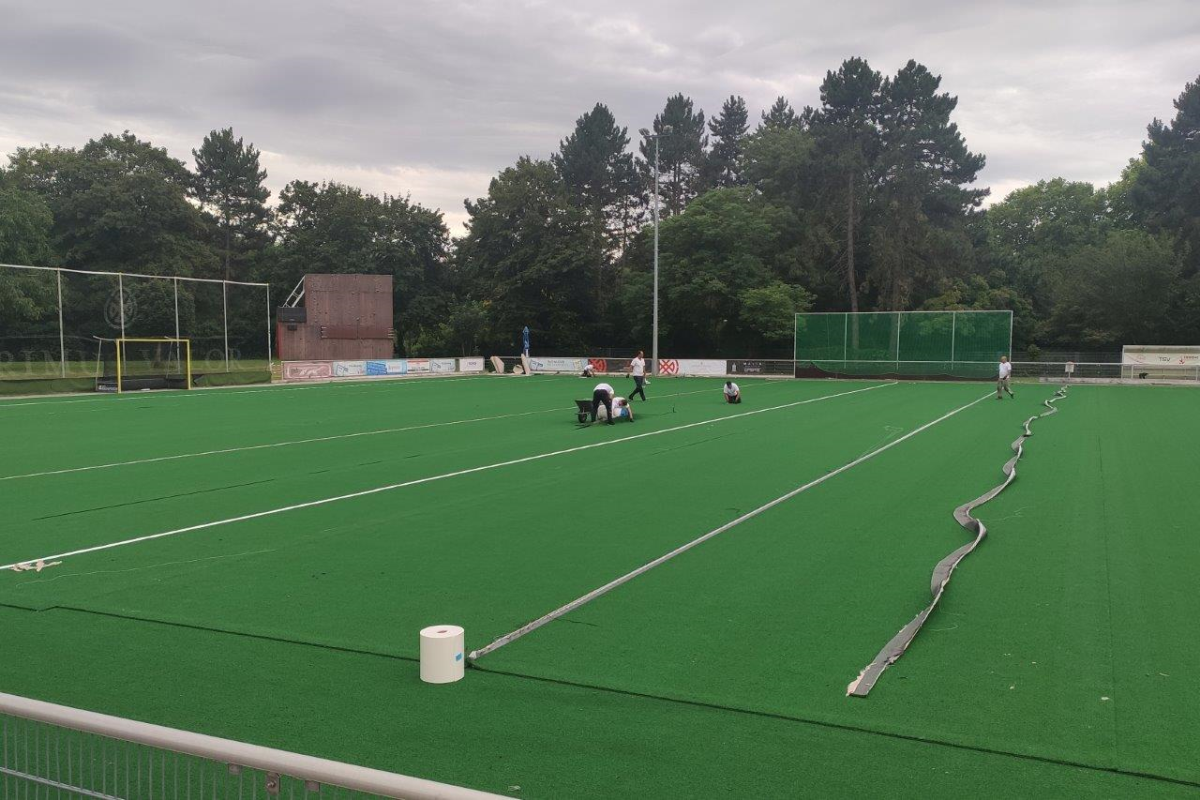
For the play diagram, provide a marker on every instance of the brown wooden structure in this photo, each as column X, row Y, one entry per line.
column 345, row 317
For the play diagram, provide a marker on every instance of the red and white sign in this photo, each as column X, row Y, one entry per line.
column 668, row 366
column 418, row 365
column 307, row 370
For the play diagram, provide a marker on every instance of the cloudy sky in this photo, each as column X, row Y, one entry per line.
column 432, row 98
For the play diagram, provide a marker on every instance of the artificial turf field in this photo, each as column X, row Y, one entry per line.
column 1061, row 662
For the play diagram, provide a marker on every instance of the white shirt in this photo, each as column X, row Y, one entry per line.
column 619, row 404
column 1005, row 369
column 603, row 387
column 732, row 389
column 638, row 365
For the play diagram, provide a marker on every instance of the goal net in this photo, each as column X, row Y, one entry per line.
column 129, row 365
column 945, row 345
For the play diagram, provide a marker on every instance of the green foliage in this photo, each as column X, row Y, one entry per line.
column 229, row 183
column 1036, row 230
column 722, row 167
column 770, row 311
column 865, row 201
column 1164, row 188
column 119, row 204
column 681, row 152
column 1121, row 291
column 528, row 256
column 332, row 228
column 721, row 246
column 780, row 116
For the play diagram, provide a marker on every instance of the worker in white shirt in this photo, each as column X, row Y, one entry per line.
column 620, row 410
column 1002, row 379
column 602, row 395
column 588, row 370
column 638, row 368
column 733, row 394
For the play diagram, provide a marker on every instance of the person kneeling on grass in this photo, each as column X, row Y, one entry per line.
column 588, row 370
column 733, row 394
column 602, row 396
column 621, row 409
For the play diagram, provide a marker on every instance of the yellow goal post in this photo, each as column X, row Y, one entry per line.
column 144, row 363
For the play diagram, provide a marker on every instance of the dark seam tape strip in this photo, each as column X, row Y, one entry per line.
column 895, row 648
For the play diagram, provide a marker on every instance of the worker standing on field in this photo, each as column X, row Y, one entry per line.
column 638, row 368
column 1002, row 376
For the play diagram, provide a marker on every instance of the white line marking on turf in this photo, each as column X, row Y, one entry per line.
column 592, row 595
column 220, row 391
column 291, row 442
column 432, row 478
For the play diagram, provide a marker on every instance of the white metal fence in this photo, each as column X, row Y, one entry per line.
column 54, row 319
column 52, row 751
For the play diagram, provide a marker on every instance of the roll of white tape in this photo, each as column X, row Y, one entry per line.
column 443, row 654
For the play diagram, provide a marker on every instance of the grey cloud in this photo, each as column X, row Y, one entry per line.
column 443, row 94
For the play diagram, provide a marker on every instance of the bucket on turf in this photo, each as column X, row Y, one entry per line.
column 443, row 654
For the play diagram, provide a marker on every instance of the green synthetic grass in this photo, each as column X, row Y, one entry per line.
column 723, row 670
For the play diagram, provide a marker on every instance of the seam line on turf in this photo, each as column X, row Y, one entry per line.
column 432, row 478
column 793, row 719
column 567, row 608
column 294, row 442
column 1060, row 762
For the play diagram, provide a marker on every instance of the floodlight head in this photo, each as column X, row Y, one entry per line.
column 666, row 130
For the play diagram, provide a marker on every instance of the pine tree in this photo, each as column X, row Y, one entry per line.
column 229, row 183
column 597, row 169
column 728, row 130
column 779, row 116
column 1164, row 191
column 681, row 153
column 847, row 127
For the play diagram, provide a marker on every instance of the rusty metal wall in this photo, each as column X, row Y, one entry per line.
column 305, row 343
column 342, row 300
column 349, row 318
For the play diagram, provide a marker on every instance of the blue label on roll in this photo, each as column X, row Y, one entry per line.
column 458, row 657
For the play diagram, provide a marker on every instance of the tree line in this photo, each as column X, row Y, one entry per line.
column 864, row 201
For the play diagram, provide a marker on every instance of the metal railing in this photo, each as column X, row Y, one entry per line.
column 53, row 751
column 1090, row 371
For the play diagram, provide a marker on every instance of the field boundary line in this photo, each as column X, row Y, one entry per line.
column 432, row 478
column 567, row 608
column 292, row 442
column 222, row 391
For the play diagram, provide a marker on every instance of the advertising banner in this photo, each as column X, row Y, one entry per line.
column 307, row 370
column 701, row 366
column 349, row 369
column 418, row 365
column 473, row 364
column 441, row 365
column 556, row 364
column 668, row 366
column 391, row 366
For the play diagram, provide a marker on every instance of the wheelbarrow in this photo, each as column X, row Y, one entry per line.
column 583, row 410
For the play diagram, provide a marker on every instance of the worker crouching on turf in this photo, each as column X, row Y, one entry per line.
column 733, row 394
column 621, row 409
column 602, row 397
column 588, row 370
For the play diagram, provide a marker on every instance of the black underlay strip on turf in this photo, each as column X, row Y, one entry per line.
column 862, row 685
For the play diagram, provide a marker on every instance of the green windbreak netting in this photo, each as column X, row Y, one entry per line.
column 963, row 344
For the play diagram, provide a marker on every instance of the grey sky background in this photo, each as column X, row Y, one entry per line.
column 431, row 99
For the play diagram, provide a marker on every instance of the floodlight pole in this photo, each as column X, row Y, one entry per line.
column 654, row 348
column 666, row 131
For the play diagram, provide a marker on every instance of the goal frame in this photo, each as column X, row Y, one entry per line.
column 121, row 342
